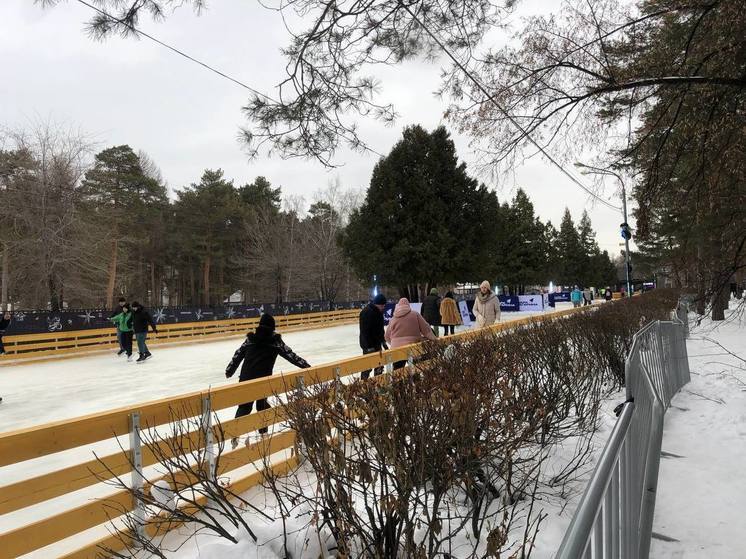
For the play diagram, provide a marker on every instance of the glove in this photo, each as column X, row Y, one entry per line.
column 385, row 346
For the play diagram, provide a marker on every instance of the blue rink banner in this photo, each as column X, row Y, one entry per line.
column 509, row 303
column 560, row 297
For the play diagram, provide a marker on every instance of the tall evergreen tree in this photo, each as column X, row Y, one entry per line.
column 119, row 193
column 423, row 221
column 570, row 252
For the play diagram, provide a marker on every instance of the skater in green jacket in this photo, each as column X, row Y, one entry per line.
column 123, row 321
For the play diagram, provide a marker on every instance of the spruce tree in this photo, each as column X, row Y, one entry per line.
column 570, row 253
column 424, row 221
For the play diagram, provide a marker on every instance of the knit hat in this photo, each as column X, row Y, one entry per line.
column 486, row 284
column 267, row 321
column 434, row 291
column 379, row 299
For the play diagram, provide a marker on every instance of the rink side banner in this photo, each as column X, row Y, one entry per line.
column 38, row 322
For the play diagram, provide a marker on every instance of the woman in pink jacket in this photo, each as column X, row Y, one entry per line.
column 407, row 327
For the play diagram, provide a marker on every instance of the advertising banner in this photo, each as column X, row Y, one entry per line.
column 530, row 303
column 463, row 308
column 559, row 297
column 509, row 303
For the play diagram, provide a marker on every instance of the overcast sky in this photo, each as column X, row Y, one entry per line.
column 187, row 119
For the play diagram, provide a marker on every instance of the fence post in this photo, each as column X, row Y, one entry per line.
column 206, row 425
column 650, row 487
column 138, row 480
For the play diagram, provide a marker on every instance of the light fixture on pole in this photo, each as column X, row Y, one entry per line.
column 625, row 229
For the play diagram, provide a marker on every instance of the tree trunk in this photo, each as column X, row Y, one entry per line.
column 221, row 284
column 54, row 296
column 154, row 299
column 206, row 280
column 192, row 286
column 5, row 278
column 720, row 303
column 112, row 272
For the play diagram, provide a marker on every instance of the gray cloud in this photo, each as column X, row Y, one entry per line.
column 187, row 119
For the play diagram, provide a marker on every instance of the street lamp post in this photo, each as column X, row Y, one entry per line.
column 590, row 170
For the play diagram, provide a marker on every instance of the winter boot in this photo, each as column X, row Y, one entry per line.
column 129, row 359
column 147, row 356
column 120, row 352
column 141, row 358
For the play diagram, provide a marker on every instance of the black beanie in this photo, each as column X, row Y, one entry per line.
column 267, row 321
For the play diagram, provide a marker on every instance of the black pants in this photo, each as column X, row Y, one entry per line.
column 245, row 409
column 126, row 338
column 449, row 329
column 2, row 347
column 399, row 364
column 435, row 329
column 378, row 370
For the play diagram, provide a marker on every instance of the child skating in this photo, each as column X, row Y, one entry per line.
column 259, row 352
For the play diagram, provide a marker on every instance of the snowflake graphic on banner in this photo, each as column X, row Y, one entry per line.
column 87, row 317
column 159, row 315
column 54, row 323
column 198, row 314
column 230, row 313
column 19, row 316
column 261, row 309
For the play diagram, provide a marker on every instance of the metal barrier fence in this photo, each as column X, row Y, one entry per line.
column 614, row 518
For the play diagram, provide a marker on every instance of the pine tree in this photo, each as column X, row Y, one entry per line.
column 123, row 198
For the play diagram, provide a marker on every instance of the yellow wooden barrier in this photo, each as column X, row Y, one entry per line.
column 25, row 444
column 75, row 342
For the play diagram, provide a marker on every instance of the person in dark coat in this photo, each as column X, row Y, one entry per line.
column 431, row 310
column 116, row 312
column 372, row 331
column 4, row 323
column 259, row 352
column 141, row 319
column 608, row 295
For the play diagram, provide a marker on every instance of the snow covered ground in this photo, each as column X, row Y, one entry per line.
column 702, row 484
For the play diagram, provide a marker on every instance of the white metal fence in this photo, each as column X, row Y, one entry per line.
column 615, row 516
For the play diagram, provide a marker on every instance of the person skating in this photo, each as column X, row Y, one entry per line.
column 407, row 327
column 371, row 330
column 586, row 297
column 123, row 320
column 486, row 306
column 449, row 315
column 576, row 296
column 431, row 310
column 608, row 295
column 141, row 319
column 120, row 304
column 259, row 352
column 4, row 323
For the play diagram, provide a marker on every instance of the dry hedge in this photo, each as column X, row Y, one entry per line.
column 407, row 464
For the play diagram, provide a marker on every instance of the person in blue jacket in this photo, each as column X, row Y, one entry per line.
column 576, row 296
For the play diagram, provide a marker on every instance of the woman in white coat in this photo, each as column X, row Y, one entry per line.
column 486, row 306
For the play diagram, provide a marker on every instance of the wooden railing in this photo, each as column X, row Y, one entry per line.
column 74, row 342
column 18, row 447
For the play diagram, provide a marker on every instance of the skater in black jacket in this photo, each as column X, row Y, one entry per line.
column 141, row 319
column 259, row 352
column 4, row 323
column 371, row 330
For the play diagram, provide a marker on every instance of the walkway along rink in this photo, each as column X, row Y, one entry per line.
column 699, row 510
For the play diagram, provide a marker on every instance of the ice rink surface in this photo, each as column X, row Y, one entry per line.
column 44, row 391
